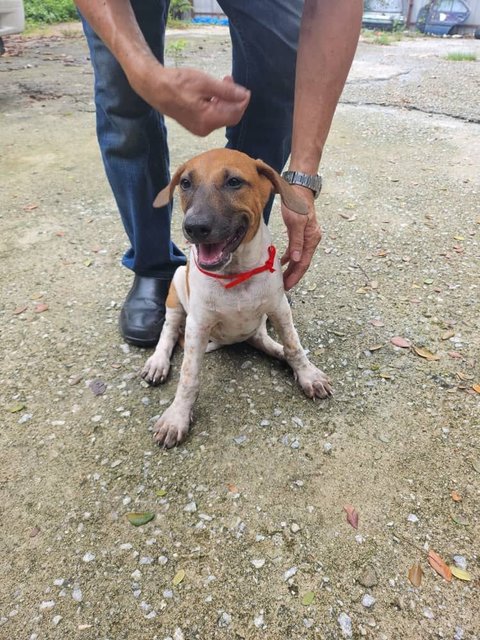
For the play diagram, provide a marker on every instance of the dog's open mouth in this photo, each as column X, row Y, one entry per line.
column 215, row 255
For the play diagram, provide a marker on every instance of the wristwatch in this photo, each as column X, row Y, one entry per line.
column 314, row 183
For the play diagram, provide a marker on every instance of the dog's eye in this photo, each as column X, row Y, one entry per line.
column 185, row 184
column 234, row 183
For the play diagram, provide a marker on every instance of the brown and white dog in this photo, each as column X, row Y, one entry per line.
column 232, row 283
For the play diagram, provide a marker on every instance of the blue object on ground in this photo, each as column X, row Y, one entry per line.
column 210, row 20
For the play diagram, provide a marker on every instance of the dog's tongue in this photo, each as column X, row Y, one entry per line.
column 210, row 253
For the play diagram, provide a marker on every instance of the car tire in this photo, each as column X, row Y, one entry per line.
column 477, row 34
column 2, row 47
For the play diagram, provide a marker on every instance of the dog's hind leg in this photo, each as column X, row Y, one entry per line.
column 157, row 366
column 263, row 342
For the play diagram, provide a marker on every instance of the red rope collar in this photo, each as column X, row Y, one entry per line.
column 237, row 278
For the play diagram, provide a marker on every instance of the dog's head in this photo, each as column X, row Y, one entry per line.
column 223, row 194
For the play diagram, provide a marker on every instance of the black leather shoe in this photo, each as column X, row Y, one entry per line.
column 143, row 312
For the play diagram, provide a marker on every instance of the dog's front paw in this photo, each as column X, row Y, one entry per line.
column 156, row 369
column 171, row 428
column 314, row 382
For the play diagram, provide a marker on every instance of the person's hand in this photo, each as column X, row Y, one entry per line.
column 194, row 99
column 304, row 234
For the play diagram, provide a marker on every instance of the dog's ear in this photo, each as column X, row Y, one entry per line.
column 166, row 195
column 287, row 193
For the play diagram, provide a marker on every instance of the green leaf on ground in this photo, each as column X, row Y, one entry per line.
column 138, row 518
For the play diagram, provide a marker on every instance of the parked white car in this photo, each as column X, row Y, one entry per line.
column 12, row 18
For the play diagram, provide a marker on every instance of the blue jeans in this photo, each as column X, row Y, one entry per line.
column 133, row 138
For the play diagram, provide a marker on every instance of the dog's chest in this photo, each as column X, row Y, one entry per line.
column 236, row 315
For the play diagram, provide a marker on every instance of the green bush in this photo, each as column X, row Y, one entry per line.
column 49, row 11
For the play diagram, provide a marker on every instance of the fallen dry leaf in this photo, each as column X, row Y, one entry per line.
column 178, row 577
column 415, row 574
column 398, row 341
column 425, row 353
column 461, row 574
column 40, row 308
column 456, row 497
column 377, row 323
column 447, row 335
column 352, row 515
column 375, row 347
column 30, row 207
column 438, row 565
column 455, row 355
column 476, row 388
column 232, row 488
column 19, row 310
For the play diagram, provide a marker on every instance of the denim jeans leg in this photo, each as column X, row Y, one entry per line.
column 133, row 142
column 264, row 53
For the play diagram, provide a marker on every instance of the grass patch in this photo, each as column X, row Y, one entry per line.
column 460, row 57
column 384, row 38
column 49, row 11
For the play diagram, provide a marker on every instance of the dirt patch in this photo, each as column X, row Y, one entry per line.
column 251, row 507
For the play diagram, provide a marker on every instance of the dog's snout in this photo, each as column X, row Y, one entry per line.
column 198, row 230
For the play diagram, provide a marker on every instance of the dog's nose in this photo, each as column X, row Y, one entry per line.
column 197, row 230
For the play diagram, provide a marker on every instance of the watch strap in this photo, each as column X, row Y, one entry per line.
column 312, row 182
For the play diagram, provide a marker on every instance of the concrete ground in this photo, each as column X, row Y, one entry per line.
column 250, row 538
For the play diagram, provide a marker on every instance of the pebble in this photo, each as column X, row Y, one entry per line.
column 191, row 507
column 412, row 518
column 146, row 560
column 294, row 527
column 47, row 604
column 240, row 439
column 265, row 423
column 290, row 573
column 258, row 563
column 359, row 539
column 88, row 557
column 259, row 621
column 368, row 578
column 77, row 594
column 459, row 633
column 126, row 546
column 327, row 448
column 56, row 619
column 168, row 593
column 116, row 463
column 298, row 421
column 163, row 560
column 151, row 615
column 461, row 562
column 368, row 601
column 246, row 365
column 428, row 613
column 178, row 634
column 345, row 623
column 59, row 582
column 225, row 619
column 25, row 418
column 136, row 575
column 295, row 444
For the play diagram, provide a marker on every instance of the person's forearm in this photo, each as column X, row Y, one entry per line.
column 115, row 23
column 328, row 39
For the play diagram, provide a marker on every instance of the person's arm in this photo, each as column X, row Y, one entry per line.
column 328, row 40
column 197, row 101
